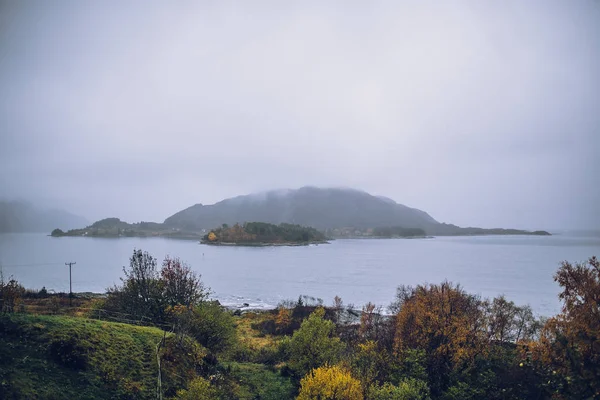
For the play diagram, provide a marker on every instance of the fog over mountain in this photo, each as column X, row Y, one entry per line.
column 20, row 216
column 310, row 206
column 481, row 113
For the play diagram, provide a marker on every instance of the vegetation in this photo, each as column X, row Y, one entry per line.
column 314, row 344
column 150, row 293
column 114, row 227
column 330, row 383
column 58, row 357
column 336, row 212
column 258, row 233
column 438, row 343
column 398, row 231
column 568, row 352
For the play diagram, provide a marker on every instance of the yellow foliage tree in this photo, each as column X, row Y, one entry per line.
column 212, row 237
column 330, row 383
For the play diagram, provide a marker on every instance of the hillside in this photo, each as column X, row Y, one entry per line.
column 20, row 216
column 319, row 208
column 52, row 357
column 323, row 209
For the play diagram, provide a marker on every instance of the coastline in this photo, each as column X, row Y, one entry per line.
column 263, row 244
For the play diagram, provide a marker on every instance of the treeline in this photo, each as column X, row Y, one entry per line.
column 398, row 231
column 114, row 227
column 261, row 232
column 436, row 342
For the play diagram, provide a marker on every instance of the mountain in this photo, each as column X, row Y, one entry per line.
column 320, row 208
column 309, row 206
column 21, row 216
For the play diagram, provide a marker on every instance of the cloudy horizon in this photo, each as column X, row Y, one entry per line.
column 479, row 113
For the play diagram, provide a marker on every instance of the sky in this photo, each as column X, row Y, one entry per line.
column 481, row 113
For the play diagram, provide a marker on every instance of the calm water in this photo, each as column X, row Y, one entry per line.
column 356, row 270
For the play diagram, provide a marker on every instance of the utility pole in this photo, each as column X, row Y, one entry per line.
column 70, row 284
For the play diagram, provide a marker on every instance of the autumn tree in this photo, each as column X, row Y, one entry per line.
column 569, row 344
column 181, row 285
column 330, row 383
column 446, row 323
column 507, row 322
column 370, row 321
column 148, row 292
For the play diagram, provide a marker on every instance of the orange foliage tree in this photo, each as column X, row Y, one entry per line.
column 568, row 350
column 446, row 323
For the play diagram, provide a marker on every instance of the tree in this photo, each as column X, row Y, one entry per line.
column 149, row 293
column 313, row 344
column 569, row 343
column 447, row 324
column 140, row 295
column 330, row 383
column 180, row 284
column 508, row 322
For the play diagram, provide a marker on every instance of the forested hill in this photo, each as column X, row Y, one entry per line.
column 20, row 216
column 323, row 209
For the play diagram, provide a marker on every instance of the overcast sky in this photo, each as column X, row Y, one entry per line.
column 482, row 113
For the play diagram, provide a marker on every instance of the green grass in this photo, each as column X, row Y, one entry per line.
column 260, row 382
column 59, row 357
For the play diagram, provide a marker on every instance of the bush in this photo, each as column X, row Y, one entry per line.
column 11, row 294
column 212, row 326
column 314, row 344
column 199, row 389
column 408, row 389
column 330, row 383
column 68, row 351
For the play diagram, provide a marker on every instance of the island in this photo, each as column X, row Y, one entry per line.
column 263, row 234
column 330, row 212
column 115, row 228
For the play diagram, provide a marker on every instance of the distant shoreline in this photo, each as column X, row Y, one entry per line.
column 263, row 244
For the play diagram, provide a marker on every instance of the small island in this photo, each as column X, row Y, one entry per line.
column 263, row 234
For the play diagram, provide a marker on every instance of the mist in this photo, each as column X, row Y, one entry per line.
column 482, row 114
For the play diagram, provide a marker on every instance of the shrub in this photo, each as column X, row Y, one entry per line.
column 408, row 389
column 330, row 383
column 314, row 344
column 199, row 389
column 212, row 326
column 11, row 293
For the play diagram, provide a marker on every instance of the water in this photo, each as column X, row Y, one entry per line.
column 358, row 271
